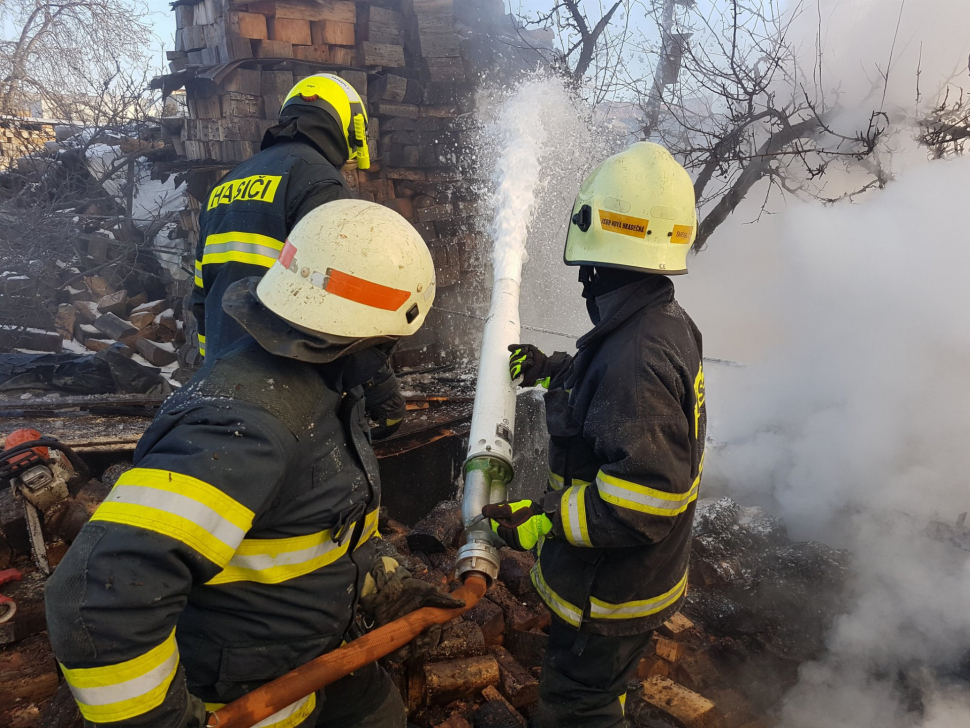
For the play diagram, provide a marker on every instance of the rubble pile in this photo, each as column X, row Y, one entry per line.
column 724, row 662
column 85, row 263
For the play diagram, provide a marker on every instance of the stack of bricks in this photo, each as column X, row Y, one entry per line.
column 405, row 57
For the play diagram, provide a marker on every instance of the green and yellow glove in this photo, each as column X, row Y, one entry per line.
column 532, row 365
column 520, row 524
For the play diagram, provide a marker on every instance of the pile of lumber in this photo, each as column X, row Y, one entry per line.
column 19, row 139
column 97, row 315
column 403, row 56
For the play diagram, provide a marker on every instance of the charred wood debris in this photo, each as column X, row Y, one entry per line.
column 758, row 605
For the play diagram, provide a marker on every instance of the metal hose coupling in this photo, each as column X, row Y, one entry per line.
column 486, row 481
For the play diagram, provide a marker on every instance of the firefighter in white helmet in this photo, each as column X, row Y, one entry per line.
column 244, row 540
column 626, row 420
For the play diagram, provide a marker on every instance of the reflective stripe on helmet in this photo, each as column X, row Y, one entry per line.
column 363, row 291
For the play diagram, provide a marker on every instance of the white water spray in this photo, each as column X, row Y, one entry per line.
column 520, row 134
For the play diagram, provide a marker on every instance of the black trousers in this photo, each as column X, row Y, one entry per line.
column 364, row 699
column 584, row 677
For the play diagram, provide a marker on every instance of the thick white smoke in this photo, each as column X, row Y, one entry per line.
column 850, row 422
column 849, row 419
column 853, row 321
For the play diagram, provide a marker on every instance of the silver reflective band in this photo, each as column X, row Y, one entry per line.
column 626, row 494
column 291, row 715
column 134, row 688
column 574, row 518
column 179, row 505
column 632, row 610
column 235, row 247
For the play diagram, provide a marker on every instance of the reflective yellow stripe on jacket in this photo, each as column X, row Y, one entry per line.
column 240, row 247
column 198, row 274
column 181, row 507
column 574, row 515
column 569, row 613
column 636, row 497
column 275, row 560
column 118, row 692
column 557, row 482
column 292, row 715
column 202, row 344
column 598, row 609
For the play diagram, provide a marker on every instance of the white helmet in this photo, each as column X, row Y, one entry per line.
column 353, row 269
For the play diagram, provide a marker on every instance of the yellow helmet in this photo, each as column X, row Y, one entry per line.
column 636, row 211
column 352, row 269
column 341, row 100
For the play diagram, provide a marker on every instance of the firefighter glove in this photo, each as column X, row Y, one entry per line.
column 387, row 416
column 391, row 592
column 520, row 523
column 532, row 365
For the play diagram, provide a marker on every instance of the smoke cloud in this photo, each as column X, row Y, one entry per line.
column 849, row 417
column 849, row 421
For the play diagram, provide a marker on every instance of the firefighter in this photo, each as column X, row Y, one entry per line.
column 239, row 545
column 626, row 421
column 247, row 216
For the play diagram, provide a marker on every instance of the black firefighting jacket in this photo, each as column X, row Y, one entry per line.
column 231, row 553
column 245, row 223
column 626, row 421
column 243, row 227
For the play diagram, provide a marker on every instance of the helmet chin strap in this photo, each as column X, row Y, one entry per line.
column 360, row 142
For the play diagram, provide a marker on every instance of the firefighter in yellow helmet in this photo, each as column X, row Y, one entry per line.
column 626, row 421
column 248, row 214
column 244, row 540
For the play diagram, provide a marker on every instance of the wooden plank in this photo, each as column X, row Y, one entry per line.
column 243, row 105
column 247, row 25
column 410, row 111
column 389, row 88
column 439, row 46
column 243, row 81
column 383, row 16
column 263, row 7
column 316, row 53
column 343, row 11
column 273, row 49
column 427, row 7
column 446, row 681
column 277, row 83
column 687, row 708
column 289, row 30
column 184, row 16
column 445, row 69
column 193, row 37
column 378, row 54
column 332, row 32
column 343, row 56
column 669, row 650
column 358, row 79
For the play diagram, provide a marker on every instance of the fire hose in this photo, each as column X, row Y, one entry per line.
column 272, row 697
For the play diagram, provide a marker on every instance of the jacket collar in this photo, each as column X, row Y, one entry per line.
column 280, row 338
column 617, row 306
